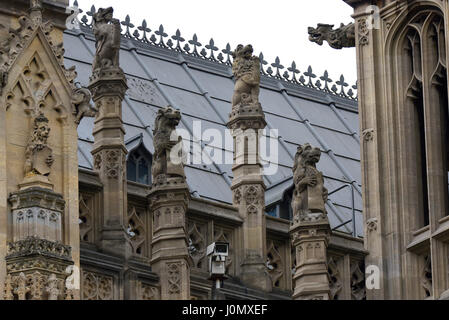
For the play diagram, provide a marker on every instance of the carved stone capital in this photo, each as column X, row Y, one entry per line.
column 108, row 82
column 245, row 117
column 37, row 197
column 37, row 270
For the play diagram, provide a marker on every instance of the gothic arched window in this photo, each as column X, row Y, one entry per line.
column 139, row 166
column 422, row 75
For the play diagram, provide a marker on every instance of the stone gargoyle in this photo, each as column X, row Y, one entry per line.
column 309, row 195
column 343, row 37
column 246, row 70
column 107, row 34
column 167, row 160
column 81, row 104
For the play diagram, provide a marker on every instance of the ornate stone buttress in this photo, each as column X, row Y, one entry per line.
column 169, row 198
column 108, row 86
column 38, row 186
column 246, row 122
column 310, row 230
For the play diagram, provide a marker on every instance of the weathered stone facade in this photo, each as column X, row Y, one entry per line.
column 402, row 70
column 67, row 232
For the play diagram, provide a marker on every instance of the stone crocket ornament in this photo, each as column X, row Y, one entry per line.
column 309, row 195
column 38, row 155
column 246, row 70
column 168, row 156
column 107, row 34
column 343, row 37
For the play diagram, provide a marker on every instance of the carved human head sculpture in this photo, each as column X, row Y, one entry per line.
column 41, row 130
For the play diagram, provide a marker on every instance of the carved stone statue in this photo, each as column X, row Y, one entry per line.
column 167, row 161
column 38, row 155
column 343, row 37
column 81, row 104
column 107, row 33
column 309, row 195
column 246, row 70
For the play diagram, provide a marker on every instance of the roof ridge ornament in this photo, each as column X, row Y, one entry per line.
column 194, row 48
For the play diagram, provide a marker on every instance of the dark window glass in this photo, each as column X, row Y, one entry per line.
column 139, row 167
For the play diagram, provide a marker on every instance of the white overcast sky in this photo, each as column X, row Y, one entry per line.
column 275, row 27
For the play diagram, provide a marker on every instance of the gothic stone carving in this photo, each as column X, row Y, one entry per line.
column 36, row 5
column 371, row 224
column 335, row 279
column 358, row 290
column 81, row 104
column 275, row 264
column 148, row 292
column 246, row 70
column 363, row 31
column 197, row 244
column 426, row 276
column 343, row 37
column 167, row 161
column 37, row 212
column 38, row 155
column 309, row 195
column 36, row 269
column 19, row 38
column 174, row 277
column 86, row 218
column 34, row 286
column 136, row 231
column 368, row 134
column 107, row 33
column 96, row 286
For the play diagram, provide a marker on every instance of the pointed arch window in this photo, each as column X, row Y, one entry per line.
column 422, row 71
column 138, row 165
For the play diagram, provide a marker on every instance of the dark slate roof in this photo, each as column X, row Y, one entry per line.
column 198, row 80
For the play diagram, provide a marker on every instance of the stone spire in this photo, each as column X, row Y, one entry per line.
column 246, row 122
column 169, row 198
column 108, row 87
column 310, row 230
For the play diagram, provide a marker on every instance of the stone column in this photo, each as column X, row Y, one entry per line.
column 170, row 256
column 169, row 198
column 108, row 87
column 246, row 122
column 310, row 230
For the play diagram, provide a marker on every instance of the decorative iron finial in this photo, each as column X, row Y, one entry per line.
column 341, row 37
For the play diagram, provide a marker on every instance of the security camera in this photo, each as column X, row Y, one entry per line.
column 218, row 249
column 217, row 253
